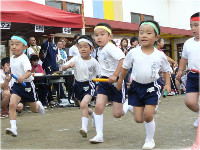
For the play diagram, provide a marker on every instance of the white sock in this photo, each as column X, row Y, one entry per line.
column 130, row 108
column 92, row 115
column 84, row 123
column 13, row 124
column 99, row 124
column 125, row 107
column 150, row 130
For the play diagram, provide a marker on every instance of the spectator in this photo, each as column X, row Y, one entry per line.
column 49, row 50
column 124, row 45
column 134, row 43
column 40, row 83
column 5, row 85
column 33, row 49
column 61, row 57
column 73, row 51
column 160, row 44
column 65, row 45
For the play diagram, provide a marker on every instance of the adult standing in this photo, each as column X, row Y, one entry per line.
column 49, row 50
column 33, row 49
column 73, row 51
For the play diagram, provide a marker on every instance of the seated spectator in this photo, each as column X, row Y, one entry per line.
column 40, row 83
column 5, row 87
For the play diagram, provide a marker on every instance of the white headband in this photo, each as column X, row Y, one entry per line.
column 85, row 40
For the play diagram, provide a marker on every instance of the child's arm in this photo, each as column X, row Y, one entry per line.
column 167, row 86
column 114, row 76
column 183, row 63
column 25, row 76
column 4, row 85
column 70, row 65
column 121, row 78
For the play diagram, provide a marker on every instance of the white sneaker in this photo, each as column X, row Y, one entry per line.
column 148, row 144
column 97, row 139
column 41, row 109
column 11, row 131
column 83, row 133
column 93, row 123
column 196, row 123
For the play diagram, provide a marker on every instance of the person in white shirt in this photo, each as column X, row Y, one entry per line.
column 21, row 68
column 110, row 58
column 33, row 49
column 5, row 85
column 61, row 57
column 146, row 62
column 85, row 69
column 73, row 51
column 191, row 57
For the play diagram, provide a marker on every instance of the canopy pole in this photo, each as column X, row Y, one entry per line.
column 83, row 29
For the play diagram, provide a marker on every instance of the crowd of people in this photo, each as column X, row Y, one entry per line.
column 144, row 68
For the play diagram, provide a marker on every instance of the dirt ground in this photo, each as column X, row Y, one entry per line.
column 58, row 129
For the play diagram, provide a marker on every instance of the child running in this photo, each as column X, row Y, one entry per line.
column 21, row 67
column 85, row 69
column 144, row 92
column 190, row 56
column 110, row 58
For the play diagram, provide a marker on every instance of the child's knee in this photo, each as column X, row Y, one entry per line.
column 117, row 114
column 139, row 120
column 6, row 94
column 83, row 106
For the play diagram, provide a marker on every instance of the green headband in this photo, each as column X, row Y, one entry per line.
column 151, row 24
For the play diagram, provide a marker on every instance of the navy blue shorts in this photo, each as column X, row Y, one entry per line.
column 110, row 90
column 144, row 94
column 84, row 88
column 192, row 83
column 27, row 93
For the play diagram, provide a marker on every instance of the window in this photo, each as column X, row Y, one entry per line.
column 147, row 17
column 137, row 18
column 55, row 4
column 74, row 8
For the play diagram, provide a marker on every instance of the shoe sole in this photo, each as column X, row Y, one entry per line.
column 10, row 133
column 83, row 133
column 95, row 142
column 148, row 147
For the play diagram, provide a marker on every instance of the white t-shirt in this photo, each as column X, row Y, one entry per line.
column 30, row 51
column 2, row 79
column 20, row 65
column 145, row 67
column 191, row 52
column 85, row 70
column 108, row 58
column 73, row 51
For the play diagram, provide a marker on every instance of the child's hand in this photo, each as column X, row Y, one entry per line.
column 8, row 78
column 168, row 88
column 20, row 80
column 71, row 64
column 119, row 86
column 112, row 79
column 179, row 74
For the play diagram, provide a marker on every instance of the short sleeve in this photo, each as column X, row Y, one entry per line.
column 165, row 67
column 184, row 52
column 26, row 64
column 128, row 61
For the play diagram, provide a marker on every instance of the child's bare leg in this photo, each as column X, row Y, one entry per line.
column 138, row 114
column 14, row 100
column 117, row 110
column 191, row 101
